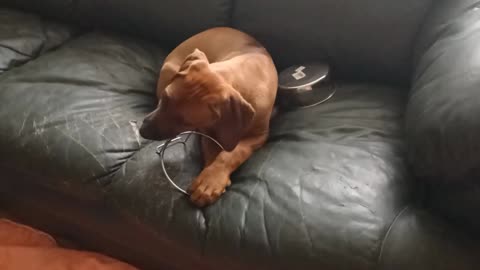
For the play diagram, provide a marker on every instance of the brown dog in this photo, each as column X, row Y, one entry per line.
column 221, row 82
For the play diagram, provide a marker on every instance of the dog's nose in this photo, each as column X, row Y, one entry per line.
column 147, row 130
column 150, row 131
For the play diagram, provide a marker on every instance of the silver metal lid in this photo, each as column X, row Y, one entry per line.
column 303, row 76
column 305, row 85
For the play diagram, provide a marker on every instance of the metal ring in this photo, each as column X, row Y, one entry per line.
column 161, row 152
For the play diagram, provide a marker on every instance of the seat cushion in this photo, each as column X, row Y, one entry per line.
column 71, row 113
column 321, row 194
column 24, row 37
column 330, row 190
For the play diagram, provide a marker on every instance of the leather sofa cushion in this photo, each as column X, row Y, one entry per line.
column 330, row 189
column 362, row 39
column 168, row 21
column 24, row 37
column 72, row 116
column 321, row 194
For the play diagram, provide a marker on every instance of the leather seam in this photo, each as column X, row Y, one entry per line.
column 394, row 221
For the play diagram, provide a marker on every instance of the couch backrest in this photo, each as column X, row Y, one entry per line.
column 164, row 20
column 364, row 39
column 361, row 39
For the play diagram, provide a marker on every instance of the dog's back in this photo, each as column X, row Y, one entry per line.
column 219, row 44
column 236, row 56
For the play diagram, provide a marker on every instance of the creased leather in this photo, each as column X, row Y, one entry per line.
column 441, row 118
column 328, row 191
column 75, row 108
column 24, row 37
column 328, row 175
column 322, row 193
column 169, row 21
column 442, row 123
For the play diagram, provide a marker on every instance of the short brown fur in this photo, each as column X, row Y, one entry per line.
column 221, row 82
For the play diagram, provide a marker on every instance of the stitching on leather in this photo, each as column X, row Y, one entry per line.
column 380, row 255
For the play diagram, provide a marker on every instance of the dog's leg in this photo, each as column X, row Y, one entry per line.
column 215, row 178
column 209, row 151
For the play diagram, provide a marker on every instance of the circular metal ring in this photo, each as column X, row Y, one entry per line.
column 170, row 142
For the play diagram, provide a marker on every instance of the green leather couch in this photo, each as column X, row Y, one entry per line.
column 386, row 175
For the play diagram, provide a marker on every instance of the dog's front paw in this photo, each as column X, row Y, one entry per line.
column 208, row 187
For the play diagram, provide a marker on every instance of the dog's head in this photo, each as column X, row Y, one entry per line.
column 198, row 98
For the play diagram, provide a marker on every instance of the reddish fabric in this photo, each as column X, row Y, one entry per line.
column 24, row 248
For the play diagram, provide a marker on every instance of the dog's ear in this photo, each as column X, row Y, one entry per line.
column 235, row 117
column 193, row 62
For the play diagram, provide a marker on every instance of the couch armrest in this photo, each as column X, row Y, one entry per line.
column 443, row 114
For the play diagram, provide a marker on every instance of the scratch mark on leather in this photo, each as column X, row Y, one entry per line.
column 38, row 129
column 67, row 124
column 368, row 208
column 133, row 123
column 83, row 146
column 101, row 135
column 76, row 127
column 23, row 125
column 113, row 118
column 104, row 126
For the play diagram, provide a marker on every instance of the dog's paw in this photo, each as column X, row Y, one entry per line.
column 208, row 187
